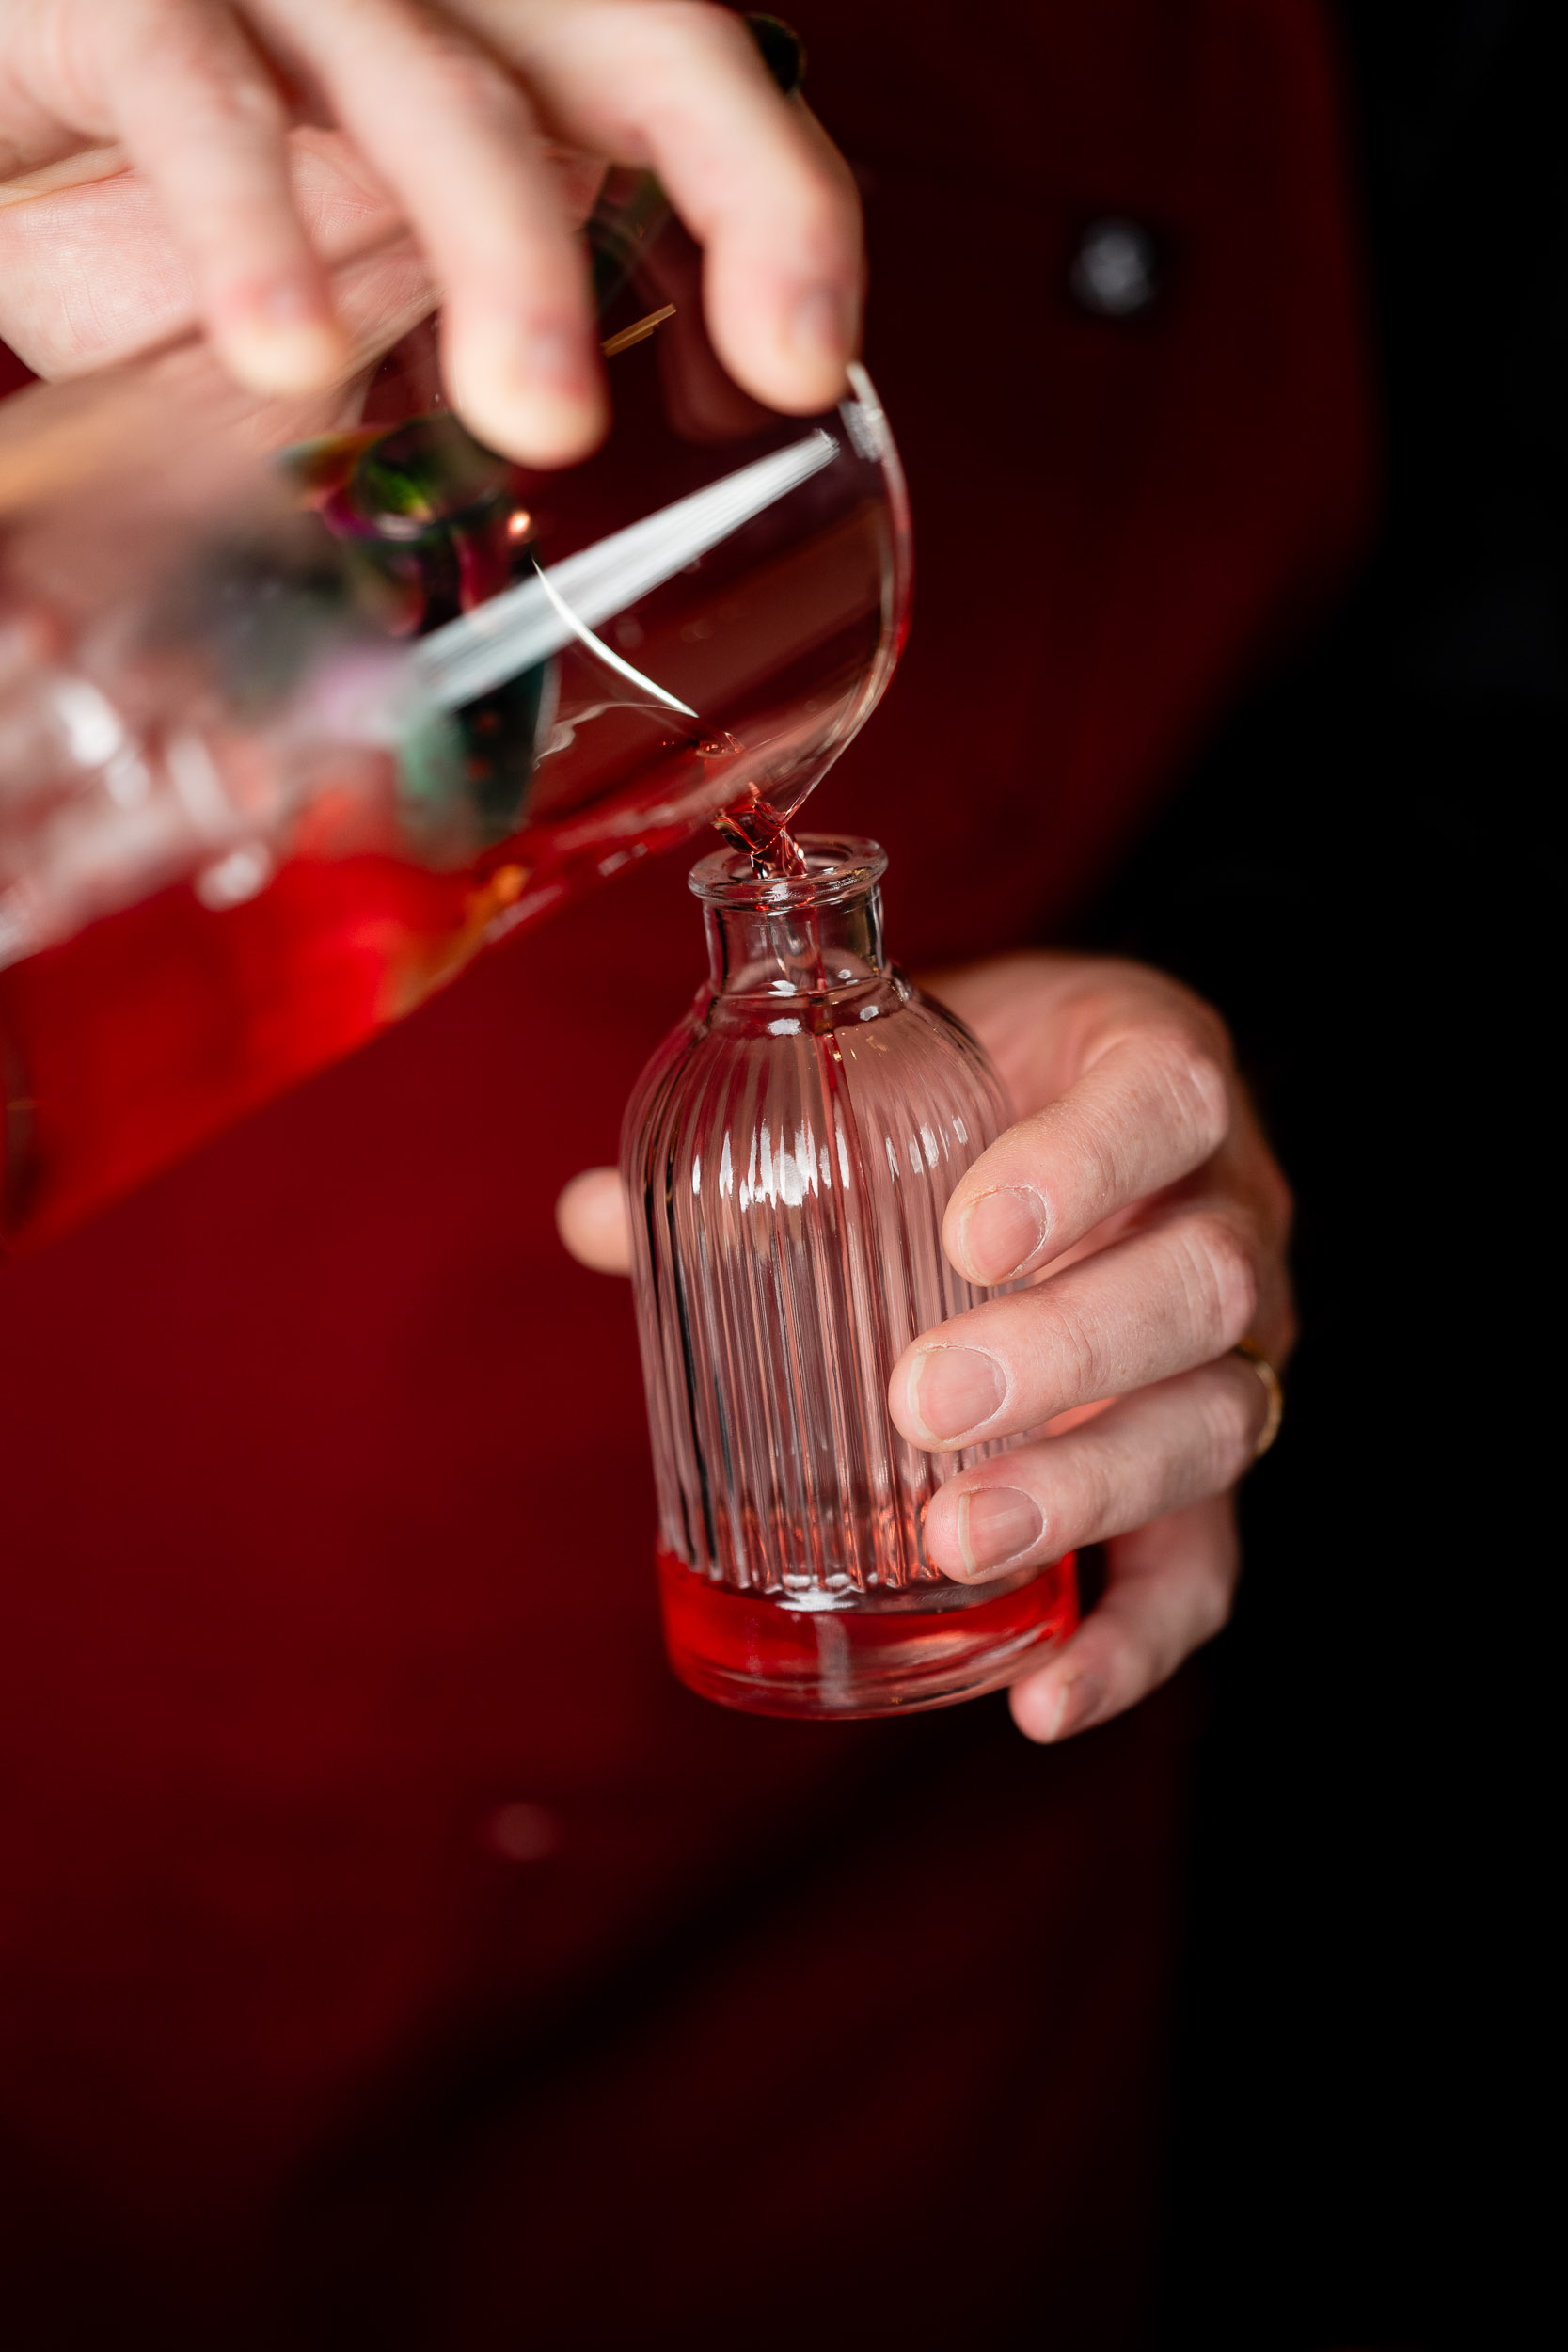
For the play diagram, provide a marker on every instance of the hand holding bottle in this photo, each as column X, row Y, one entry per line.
column 165, row 164
column 1136, row 1200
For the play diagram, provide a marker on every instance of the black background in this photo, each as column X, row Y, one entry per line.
column 1362, row 874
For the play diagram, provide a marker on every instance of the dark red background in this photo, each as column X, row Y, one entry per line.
column 326, row 1499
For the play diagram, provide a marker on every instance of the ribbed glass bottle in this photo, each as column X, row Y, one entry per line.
column 789, row 1154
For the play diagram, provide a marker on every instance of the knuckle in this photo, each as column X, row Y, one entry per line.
column 1212, row 1591
column 185, row 39
column 1091, row 1495
column 1279, row 1201
column 233, row 105
column 244, row 101
column 676, row 39
column 1207, row 1086
column 462, row 80
column 1198, row 1087
column 1099, row 1146
column 1153, row 1645
column 680, row 26
column 1076, row 1372
column 187, row 47
column 1212, row 1609
column 1232, row 1417
column 1223, row 1277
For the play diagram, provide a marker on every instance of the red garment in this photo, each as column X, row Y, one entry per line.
column 326, row 1511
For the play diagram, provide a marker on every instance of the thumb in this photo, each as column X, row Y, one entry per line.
column 591, row 1217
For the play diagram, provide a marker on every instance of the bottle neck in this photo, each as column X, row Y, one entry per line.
column 806, row 934
column 795, row 951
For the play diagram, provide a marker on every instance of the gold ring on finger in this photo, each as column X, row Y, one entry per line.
column 1272, row 1388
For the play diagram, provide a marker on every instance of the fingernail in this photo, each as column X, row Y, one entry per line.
column 282, row 340
column 532, row 393
column 996, row 1524
column 954, row 1389
column 824, row 327
column 553, row 359
column 1073, row 1705
column 1001, row 1231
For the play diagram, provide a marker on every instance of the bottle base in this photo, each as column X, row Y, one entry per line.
column 768, row 1657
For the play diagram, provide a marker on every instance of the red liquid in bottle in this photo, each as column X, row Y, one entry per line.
column 938, row 1644
column 773, row 1299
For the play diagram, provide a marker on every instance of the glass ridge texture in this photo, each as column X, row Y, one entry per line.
column 789, row 1153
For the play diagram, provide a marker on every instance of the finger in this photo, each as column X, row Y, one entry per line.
column 783, row 274
column 591, row 1218
column 381, row 295
column 1153, row 1106
column 1174, row 1296
column 752, row 174
column 89, row 273
column 1148, row 1454
column 1169, row 1590
column 79, row 169
column 454, row 135
column 202, row 117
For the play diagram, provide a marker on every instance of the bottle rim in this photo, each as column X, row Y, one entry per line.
column 839, row 866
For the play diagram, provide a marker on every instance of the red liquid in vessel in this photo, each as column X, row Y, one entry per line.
column 930, row 1646
column 767, row 840
column 132, row 1041
column 156, row 1027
